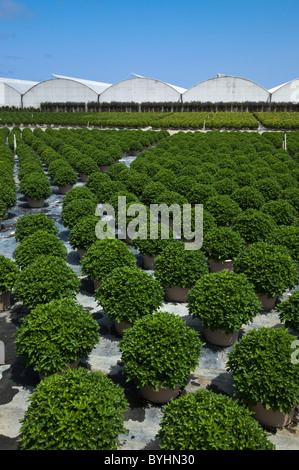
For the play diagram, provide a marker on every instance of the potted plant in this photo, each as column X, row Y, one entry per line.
column 65, row 177
column 83, row 234
column 269, row 268
column 127, row 294
column 31, row 223
column 8, row 275
column 221, row 246
column 179, row 269
column 253, row 225
column 223, row 208
column 45, row 279
column 281, row 211
column 223, row 302
column 79, row 192
column 56, row 335
column 265, row 379
column 287, row 236
column 289, row 311
column 3, row 210
column 85, row 167
column 248, row 197
column 94, row 402
column 186, row 424
column 36, row 187
column 75, row 210
column 103, row 256
column 159, row 352
column 39, row 243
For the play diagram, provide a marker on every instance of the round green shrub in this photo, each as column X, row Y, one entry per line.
column 200, row 193
column 65, row 176
column 105, row 255
column 8, row 194
column 129, row 293
column 3, row 210
column 153, row 246
column 79, row 192
column 39, row 243
column 8, row 273
column 83, row 233
column 75, row 210
column 56, row 165
column 187, row 425
column 176, row 266
column 35, row 186
column 86, row 165
column 281, row 211
column 30, row 223
column 289, row 311
column 269, row 268
column 263, row 371
column 291, row 195
column 95, row 404
column 269, row 188
column 55, row 335
column 253, row 225
column 160, row 349
column 287, row 236
column 226, row 186
column 45, row 279
column 222, row 243
column 223, row 208
column 151, row 192
column 223, row 300
column 171, row 197
column 248, row 197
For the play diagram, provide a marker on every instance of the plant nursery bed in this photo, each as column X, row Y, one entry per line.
column 142, row 420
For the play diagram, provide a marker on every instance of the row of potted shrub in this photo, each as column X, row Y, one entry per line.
column 8, row 188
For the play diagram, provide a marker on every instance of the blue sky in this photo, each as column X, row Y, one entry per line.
column 179, row 42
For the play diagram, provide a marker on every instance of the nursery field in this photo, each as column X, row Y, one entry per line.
column 156, row 120
column 214, row 329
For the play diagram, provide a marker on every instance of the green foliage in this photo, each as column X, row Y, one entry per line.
column 45, row 279
column 200, row 193
column 129, row 293
column 8, row 195
column 75, row 210
column 105, row 255
column 64, row 176
column 55, row 335
column 39, row 243
column 223, row 300
column 35, row 186
column 160, row 348
column 222, row 243
column 31, row 223
column 248, row 197
column 83, row 233
column 268, row 267
column 153, row 246
column 86, row 165
column 263, row 371
column 151, row 192
column 176, row 266
column 281, row 211
column 253, row 225
column 287, row 236
column 269, row 188
column 79, row 192
column 79, row 410
column 223, row 208
column 205, row 420
column 289, row 311
column 8, row 273
column 291, row 195
column 3, row 210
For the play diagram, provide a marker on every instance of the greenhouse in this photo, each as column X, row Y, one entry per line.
column 287, row 92
column 12, row 90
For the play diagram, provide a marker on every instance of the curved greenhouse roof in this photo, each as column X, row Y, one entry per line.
column 286, row 93
column 98, row 87
column 225, row 88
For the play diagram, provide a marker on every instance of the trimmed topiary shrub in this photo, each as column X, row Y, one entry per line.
column 248, row 197
column 55, row 335
column 3, row 210
column 253, row 225
column 65, row 176
column 269, row 268
column 75, row 210
column 176, row 266
column 281, row 211
column 151, row 192
column 160, row 349
column 223, row 300
column 223, row 208
column 186, row 424
column 263, row 371
column 83, row 233
column 105, row 255
column 35, row 186
column 8, row 195
column 129, row 293
column 31, row 223
column 289, row 311
column 94, row 402
column 86, row 165
column 79, row 192
column 287, row 236
column 270, row 188
column 200, row 193
column 45, row 279
column 291, row 195
column 222, row 243
column 8, row 273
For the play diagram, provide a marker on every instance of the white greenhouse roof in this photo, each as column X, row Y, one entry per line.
column 272, row 90
column 177, row 88
column 20, row 85
column 98, row 87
